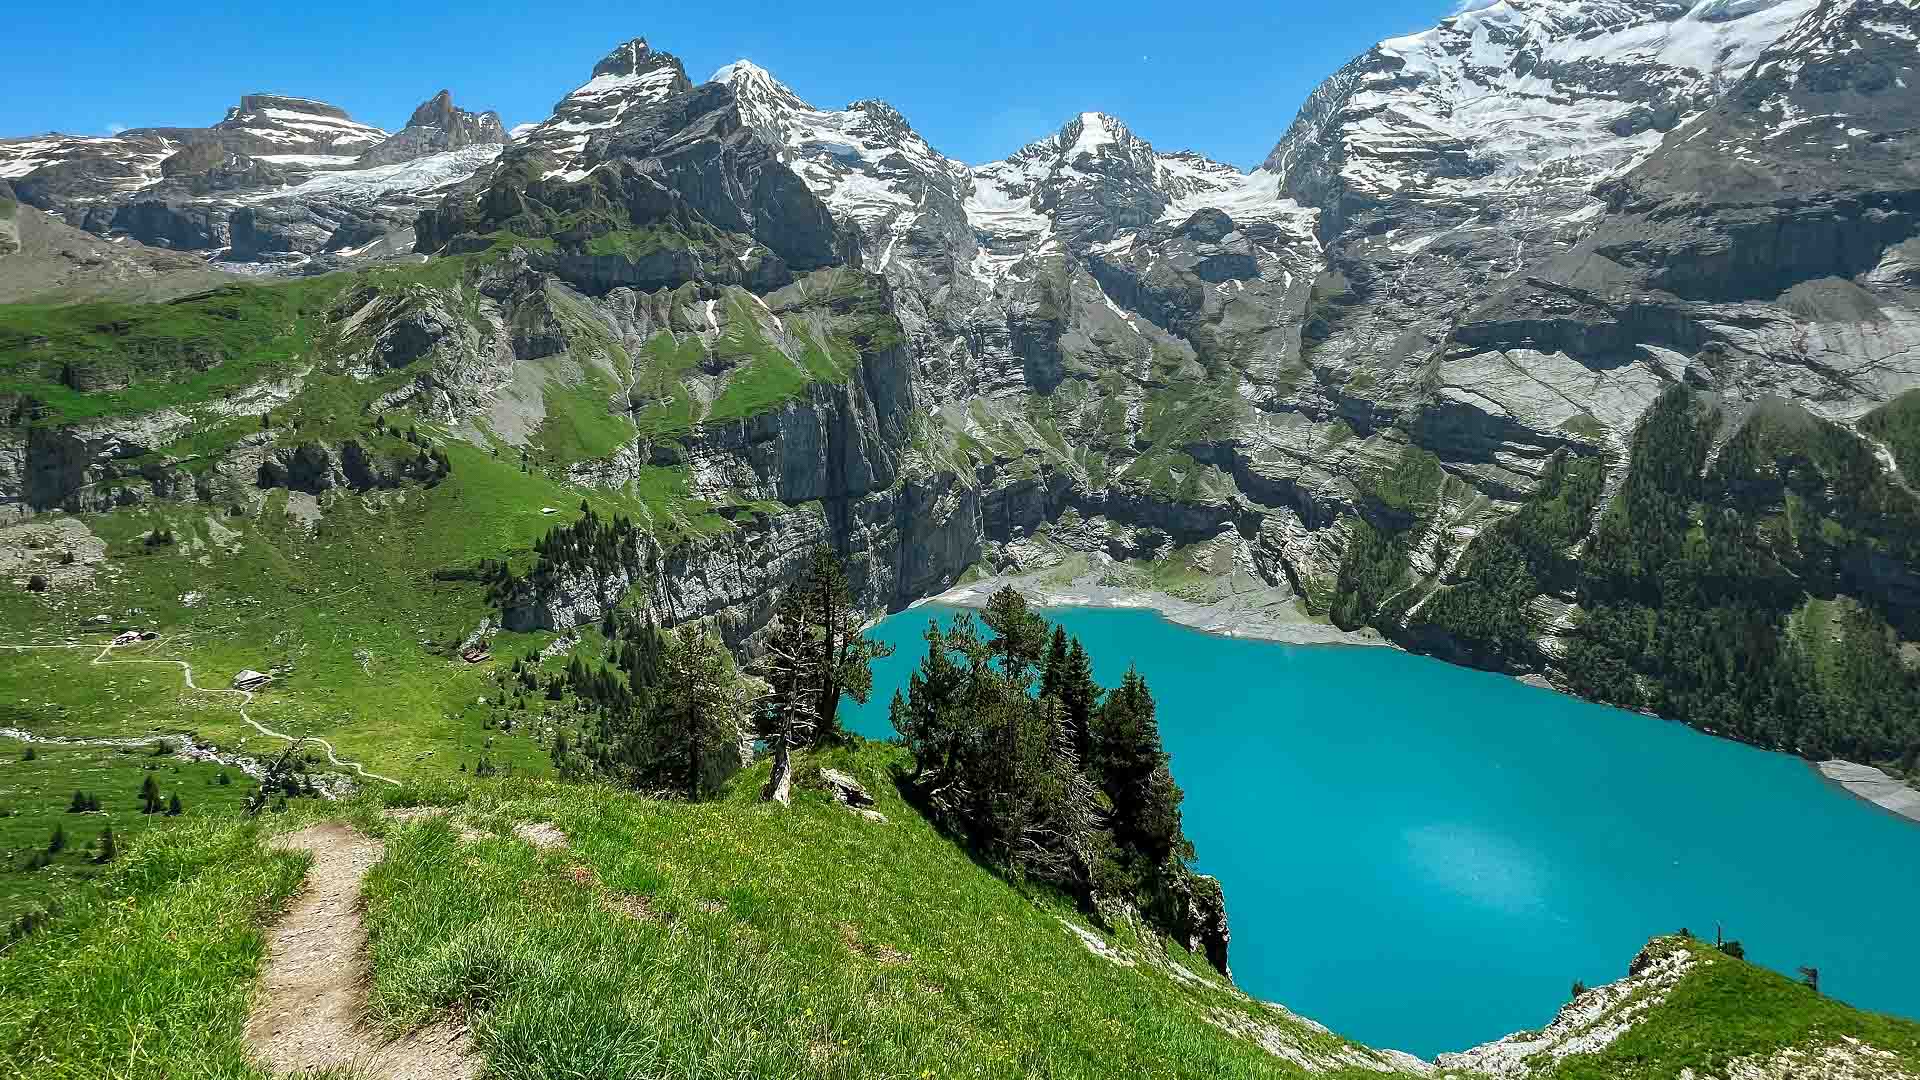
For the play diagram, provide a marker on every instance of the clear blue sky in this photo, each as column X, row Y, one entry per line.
column 978, row 80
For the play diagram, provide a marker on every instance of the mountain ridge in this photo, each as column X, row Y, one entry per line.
column 1618, row 394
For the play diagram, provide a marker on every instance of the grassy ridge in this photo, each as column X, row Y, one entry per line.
column 1725, row 1011
column 150, row 977
column 140, row 357
column 736, row 938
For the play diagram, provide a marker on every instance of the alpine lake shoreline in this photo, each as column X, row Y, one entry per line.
column 1450, row 847
column 1269, row 614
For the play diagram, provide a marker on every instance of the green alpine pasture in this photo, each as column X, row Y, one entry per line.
column 736, row 938
column 37, row 801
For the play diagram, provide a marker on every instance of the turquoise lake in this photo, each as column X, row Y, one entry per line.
column 1425, row 857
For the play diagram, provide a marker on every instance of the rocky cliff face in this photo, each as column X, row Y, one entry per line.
column 1476, row 250
column 642, row 179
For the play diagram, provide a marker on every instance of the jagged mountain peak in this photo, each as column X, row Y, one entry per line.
column 634, row 70
column 634, row 74
column 879, row 110
column 1093, row 179
column 826, row 146
column 767, row 105
column 439, row 111
column 1093, row 135
column 436, row 127
column 869, row 129
column 745, row 75
column 635, row 57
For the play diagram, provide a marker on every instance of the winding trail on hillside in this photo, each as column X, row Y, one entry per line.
column 309, row 1014
column 246, row 698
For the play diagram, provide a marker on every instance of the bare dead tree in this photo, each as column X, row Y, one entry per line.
column 275, row 778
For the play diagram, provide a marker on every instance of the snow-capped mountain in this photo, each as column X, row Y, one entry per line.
column 1094, row 182
column 1520, row 95
column 632, row 76
column 276, row 182
column 290, row 130
column 974, row 252
column 1449, row 163
column 866, row 162
column 79, row 170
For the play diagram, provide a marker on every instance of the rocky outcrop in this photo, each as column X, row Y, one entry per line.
column 316, row 468
column 837, row 455
column 1594, row 1019
column 9, row 215
column 1195, row 907
column 436, row 127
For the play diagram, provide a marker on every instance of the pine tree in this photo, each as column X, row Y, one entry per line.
column 1054, row 673
column 934, row 719
column 109, row 850
column 79, row 804
column 173, row 805
column 698, row 705
column 58, row 841
column 1133, row 770
column 1020, row 635
column 844, row 652
column 1080, row 696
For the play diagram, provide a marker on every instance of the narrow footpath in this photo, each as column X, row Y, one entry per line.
column 309, row 1013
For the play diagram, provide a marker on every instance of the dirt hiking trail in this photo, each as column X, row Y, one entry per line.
column 309, row 1012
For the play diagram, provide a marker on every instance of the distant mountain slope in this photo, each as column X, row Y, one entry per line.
column 280, row 182
column 43, row 259
column 1398, row 377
